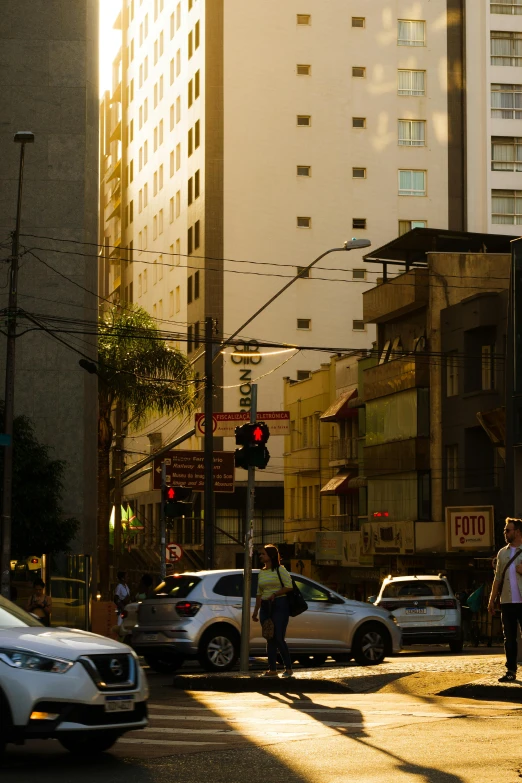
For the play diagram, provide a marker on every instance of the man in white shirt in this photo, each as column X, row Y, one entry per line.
column 508, row 583
column 121, row 595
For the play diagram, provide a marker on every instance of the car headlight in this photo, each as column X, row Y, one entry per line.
column 394, row 619
column 38, row 663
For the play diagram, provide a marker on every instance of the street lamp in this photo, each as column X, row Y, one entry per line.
column 22, row 138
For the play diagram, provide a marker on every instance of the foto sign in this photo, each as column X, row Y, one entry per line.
column 187, row 469
column 469, row 528
column 224, row 424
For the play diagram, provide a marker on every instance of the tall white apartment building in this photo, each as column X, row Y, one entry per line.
column 242, row 140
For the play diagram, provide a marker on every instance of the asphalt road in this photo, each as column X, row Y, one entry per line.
column 389, row 735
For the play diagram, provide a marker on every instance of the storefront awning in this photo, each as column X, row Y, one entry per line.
column 338, row 485
column 358, row 482
column 339, row 409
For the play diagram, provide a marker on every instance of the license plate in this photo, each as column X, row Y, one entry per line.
column 119, row 703
column 415, row 610
column 151, row 637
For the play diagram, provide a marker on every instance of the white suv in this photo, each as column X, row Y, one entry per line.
column 426, row 609
column 81, row 689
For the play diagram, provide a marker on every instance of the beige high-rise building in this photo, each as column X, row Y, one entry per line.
column 243, row 140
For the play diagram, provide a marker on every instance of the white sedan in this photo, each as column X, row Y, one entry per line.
column 79, row 688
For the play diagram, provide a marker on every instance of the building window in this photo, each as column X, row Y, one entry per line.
column 409, row 225
column 411, row 33
column 506, row 7
column 178, row 299
column 190, row 240
column 190, row 139
column 178, row 156
column 189, row 191
column 172, row 26
column 424, row 495
column 452, row 467
column 304, row 70
column 412, row 183
column 358, row 72
column 190, row 99
column 358, row 326
column 304, row 19
column 189, row 289
column 412, row 133
column 196, row 335
column 358, row 122
column 178, row 206
column 506, row 207
column 358, row 173
column 161, row 176
column 160, row 221
column 190, row 44
column 197, row 234
column 196, row 184
column 304, row 222
column 189, row 339
column 145, row 275
column 172, row 71
column 178, row 62
column 506, row 48
column 358, row 274
column 178, row 109
column 412, row 83
column 506, row 153
column 196, row 85
column 197, row 134
column 358, row 21
column 303, row 272
column 506, row 101
column 303, row 375
column 304, row 171
column 487, row 375
column 452, row 374
column 171, row 210
column 131, row 212
column 196, row 285
column 155, row 227
column 359, row 223
column 146, row 194
column 197, row 35
column 155, row 183
column 479, row 470
column 304, row 120
column 304, row 323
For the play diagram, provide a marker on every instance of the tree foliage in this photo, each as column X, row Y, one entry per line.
column 38, row 523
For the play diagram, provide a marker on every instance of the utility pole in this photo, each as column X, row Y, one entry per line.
column 249, row 548
column 21, row 138
column 163, row 523
column 208, row 539
column 117, row 466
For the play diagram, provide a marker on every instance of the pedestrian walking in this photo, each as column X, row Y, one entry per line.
column 121, row 595
column 274, row 582
column 39, row 603
column 508, row 585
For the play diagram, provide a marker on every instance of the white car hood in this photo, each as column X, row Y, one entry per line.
column 61, row 642
column 369, row 609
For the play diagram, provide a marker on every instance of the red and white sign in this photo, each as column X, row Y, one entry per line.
column 224, row 424
column 173, row 553
column 469, row 528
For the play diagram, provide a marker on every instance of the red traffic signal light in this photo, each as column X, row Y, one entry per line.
column 252, row 438
column 171, row 493
column 176, row 501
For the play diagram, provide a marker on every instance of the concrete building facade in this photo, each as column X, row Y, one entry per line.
column 49, row 86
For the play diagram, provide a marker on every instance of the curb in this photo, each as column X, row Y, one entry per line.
column 257, row 684
column 483, row 692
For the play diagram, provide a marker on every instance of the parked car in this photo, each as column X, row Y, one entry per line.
column 198, row 615
column 426, row 609
column 81, row 689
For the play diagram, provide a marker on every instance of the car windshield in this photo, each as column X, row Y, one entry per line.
column 417, row 587
column 176, row 586
column 11, row 616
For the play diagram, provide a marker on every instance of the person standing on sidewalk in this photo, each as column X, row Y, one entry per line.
column 508, row 584
column 274, row 582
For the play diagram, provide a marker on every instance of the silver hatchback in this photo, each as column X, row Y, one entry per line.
column 198, row 615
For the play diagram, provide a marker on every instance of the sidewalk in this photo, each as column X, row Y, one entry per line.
column 467, row 676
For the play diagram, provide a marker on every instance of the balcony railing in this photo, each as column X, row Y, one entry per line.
column 343, row 449
column 342, row 522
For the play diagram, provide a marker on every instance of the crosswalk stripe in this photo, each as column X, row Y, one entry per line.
column 263, row 721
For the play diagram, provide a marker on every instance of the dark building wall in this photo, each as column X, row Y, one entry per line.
column 49, row 85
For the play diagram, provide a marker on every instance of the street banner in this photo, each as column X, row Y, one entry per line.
column 224, row 424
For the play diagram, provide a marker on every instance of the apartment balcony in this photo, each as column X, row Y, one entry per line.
column 400, row 456
column 404, row 294
column 396, row 376
column 343, row 451
column 342, row 522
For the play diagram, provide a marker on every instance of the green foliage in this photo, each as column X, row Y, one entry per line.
column 137, row 368
column 38, row 525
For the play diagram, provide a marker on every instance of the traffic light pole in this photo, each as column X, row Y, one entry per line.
column 208, row 538
column 163, row 524
column 249, row 548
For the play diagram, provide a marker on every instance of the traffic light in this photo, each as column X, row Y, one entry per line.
column 253, row 452
column 176, row 501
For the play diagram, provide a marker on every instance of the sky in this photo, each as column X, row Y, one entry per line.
column 109, row 41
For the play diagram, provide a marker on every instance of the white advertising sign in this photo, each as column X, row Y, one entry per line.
column 469, row 528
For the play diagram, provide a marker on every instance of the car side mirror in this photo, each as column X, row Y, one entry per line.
column 334, row 599
column 372, row 599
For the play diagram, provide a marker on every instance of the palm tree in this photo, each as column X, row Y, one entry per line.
column 139, row 372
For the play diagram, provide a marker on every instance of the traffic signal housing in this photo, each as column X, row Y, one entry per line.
column 176, row 501
column 253, row 452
